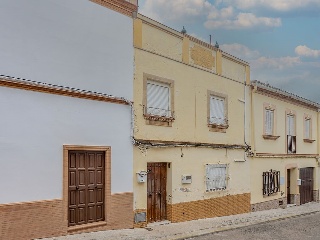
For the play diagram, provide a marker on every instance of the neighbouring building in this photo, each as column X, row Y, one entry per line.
column 285, row 155
column 190, row 144
column 66, row 92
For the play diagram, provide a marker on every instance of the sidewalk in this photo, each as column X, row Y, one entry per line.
column 197, row 227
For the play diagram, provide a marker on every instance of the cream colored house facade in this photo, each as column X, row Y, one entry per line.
column 189, row 105
column 285, row 160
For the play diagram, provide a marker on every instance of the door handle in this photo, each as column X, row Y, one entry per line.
column 77, row 187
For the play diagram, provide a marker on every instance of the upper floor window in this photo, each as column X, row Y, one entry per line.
column 269, row 120
column 291, row 133
column 217, row 110
column 158, row 100
column 307, row 129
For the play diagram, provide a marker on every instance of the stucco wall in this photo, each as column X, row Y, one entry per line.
column 73, row 43
column 192, row 161
column 35, row 126
column 233, row 70
column 191, row 87
column 260, row 165
column 279, row 146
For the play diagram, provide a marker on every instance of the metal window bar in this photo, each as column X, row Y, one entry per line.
column 271, row 182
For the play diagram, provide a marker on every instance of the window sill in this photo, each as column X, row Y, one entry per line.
column 270, row 194
column 216, row 190
column 270, row 137
column 308, row 140
column 218, row 127
column 158, row 120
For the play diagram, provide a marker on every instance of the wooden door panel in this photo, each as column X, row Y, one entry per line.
column 99, row 211
column 156, row 192
column 306, row 187
column 86, row 187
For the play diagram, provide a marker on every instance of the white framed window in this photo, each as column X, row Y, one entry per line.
column 307, row 128
column 217, row 110
column 269, row 121
column 158, row 99
column 291, row 133
column 216, row 177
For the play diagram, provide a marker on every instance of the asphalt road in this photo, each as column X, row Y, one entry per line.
column 297, row 228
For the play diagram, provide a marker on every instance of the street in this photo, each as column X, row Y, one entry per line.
column 301, row 227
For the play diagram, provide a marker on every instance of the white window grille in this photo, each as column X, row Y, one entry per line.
column 216, row 177
column 307, row 128
column 158, row 99
column 217, row 111
column 269, row 121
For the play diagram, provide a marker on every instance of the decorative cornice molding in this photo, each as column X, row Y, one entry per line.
column 279, row 155
column 24, row 84
column 120, row 6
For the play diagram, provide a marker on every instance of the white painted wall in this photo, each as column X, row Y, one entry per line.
column 73, row 43
column 35, row 126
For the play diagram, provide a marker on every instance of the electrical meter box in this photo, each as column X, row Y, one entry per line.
column 141, row 176
column 299, row 182
column 186, row 178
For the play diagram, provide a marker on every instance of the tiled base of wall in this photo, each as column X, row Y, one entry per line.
column 316, row 196
column 32, row 220
column 272, row 204
column 41, row 219
column 214, row 207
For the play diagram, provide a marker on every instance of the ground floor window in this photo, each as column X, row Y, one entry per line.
column 216, row 177
column 271, row 182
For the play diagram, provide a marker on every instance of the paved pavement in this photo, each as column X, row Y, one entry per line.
column 174, row 231
column 294, row 228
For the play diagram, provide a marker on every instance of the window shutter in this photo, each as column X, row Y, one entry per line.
column 158, row 99
column 290, row 125
column 269, row 122
column 307, row 129
column 217, row 114
column 216, row 177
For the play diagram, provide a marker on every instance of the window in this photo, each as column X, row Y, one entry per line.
column 307, row 128
column 216, row 177
column 271, row 182
column 291, row 134
column 158, row 100
column 217, row 110
column 269, row 122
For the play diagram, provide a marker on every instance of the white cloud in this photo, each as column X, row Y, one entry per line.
column 304, row 51
column 240, row 51
column 276, row 63
column 277, row 5
column 215, row 18
column 162, row 10
column 244, row 21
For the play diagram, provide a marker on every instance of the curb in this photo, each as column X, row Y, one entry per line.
column 223, row 229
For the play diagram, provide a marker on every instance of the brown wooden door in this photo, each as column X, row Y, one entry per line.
column 306, row 187
column 288, row 187
column 86, row 187
column 157, row 182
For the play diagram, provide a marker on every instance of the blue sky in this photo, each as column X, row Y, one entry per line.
column 279, row 38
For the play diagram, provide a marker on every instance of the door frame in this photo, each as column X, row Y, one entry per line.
column 107, row 179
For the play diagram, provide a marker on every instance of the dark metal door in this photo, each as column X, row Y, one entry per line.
column 157, row 182
column 86, row 187
column 306, row 187
column 288, row 187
